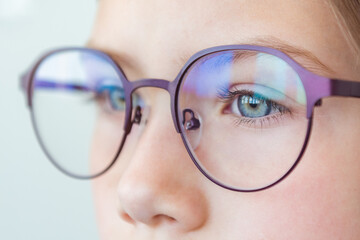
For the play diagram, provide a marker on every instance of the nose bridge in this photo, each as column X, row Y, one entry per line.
column 170, row 87
column 152, row 82
column 157, row 165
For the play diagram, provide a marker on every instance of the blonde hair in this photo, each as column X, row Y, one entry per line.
column 348, row 14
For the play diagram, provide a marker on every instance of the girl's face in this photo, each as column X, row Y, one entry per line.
column 154, row 191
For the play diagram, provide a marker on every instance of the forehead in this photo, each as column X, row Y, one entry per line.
column 165, row 31
column 153, row 20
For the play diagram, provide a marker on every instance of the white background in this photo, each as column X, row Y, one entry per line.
column 36, row 200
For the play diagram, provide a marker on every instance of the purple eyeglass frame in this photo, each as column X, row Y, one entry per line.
column 316, row 87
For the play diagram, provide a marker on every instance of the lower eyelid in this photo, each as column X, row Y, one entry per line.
column 269, row 121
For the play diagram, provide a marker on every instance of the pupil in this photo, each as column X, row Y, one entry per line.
column 253, row 105
column 253, row 102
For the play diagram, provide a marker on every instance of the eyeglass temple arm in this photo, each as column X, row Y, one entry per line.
column 52, row 84
column 24, row 85
column 345, row 88
column 48, row 83
column 55, row 85
column 24, row 81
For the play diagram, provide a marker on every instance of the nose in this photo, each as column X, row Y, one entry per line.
column 161, row 185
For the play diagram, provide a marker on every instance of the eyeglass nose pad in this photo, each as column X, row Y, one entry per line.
column 137, row 115
column 193, row 127
column 140, row 118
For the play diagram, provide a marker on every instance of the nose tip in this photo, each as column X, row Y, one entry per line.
column 147, row 219
column 143, row 205
column 137, row 205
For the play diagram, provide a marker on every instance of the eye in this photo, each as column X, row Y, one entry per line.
column 117, row 98
column 112, row 97
column 251, row 106
column 255, row 107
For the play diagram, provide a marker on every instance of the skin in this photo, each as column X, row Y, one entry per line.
column 154, row 191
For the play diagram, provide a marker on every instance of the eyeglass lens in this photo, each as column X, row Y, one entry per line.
column 71, row 105
column 243, row 114
column 252, row 112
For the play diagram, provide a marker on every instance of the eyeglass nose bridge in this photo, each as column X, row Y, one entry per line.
column 170, row 87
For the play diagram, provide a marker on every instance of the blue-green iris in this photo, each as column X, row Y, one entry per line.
column 253, row 107
column 117, row 98
column 115, row 95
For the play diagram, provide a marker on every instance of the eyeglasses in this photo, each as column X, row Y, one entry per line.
column 244, row 112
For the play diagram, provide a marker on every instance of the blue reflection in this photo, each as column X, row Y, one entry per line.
column 271, row 71
column 76, row 71
column 210, row 74
column 278, row 75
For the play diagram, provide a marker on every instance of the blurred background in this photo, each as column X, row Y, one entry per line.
column 36, row 200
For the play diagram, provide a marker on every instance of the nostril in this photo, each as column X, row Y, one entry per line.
column 126, row 217
column 153, row 220
column 163, row 219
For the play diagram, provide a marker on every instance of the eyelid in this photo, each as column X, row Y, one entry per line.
column 281, row 99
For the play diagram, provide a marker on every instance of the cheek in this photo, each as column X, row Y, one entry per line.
column 106, row 205
column 321, row 197
column 323, row 193
column 106, row 141
column 262, row 155
column 105, row 187
column 105, row 200
column 305, row 205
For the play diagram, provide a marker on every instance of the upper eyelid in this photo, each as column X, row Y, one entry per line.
column 290, row 102
column 229, row 95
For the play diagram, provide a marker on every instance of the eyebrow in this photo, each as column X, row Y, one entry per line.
column 307, row 58
column 304, row 57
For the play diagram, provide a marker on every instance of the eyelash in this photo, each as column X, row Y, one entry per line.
column 229, row 96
